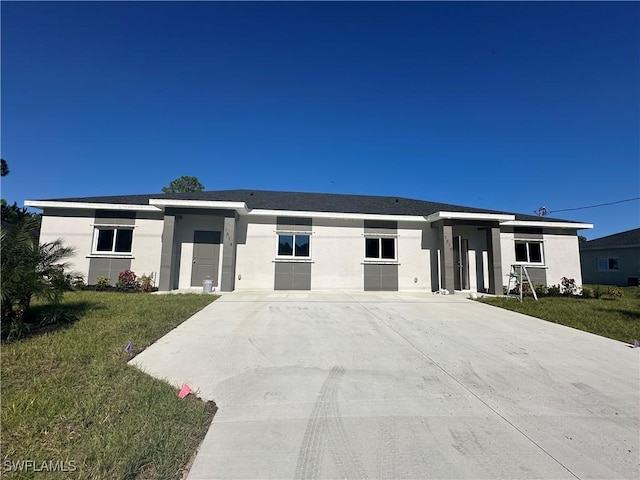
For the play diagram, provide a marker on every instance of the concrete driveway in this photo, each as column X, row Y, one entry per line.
column 390, row 385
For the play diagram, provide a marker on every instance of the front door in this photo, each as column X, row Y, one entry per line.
column 461, row 263
column 206, row 256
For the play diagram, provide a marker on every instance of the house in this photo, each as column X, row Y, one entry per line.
column 266, row 240
column 612, row 260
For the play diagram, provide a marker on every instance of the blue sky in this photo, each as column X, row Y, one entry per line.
column 507, row 106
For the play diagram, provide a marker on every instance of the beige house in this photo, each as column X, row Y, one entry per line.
column 266, row 240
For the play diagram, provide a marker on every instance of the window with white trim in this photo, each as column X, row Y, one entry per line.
column 529, row 252
column 606, row 264
column 117, row 240
column 294, row 245
column 380, row 248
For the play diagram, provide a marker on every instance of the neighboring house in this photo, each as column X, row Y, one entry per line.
column 264, row 240
column 612, row 260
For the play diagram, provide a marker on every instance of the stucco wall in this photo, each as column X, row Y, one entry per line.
column 255, row 250
column 628, row 266
column 147, row 244
column 414, row 243
column 561, row 256
column 75, row 229
column 337, row 253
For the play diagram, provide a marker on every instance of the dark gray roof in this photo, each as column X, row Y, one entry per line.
column 316, row 202
column 623, row 239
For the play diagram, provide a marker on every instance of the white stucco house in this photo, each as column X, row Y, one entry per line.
column 266, row 240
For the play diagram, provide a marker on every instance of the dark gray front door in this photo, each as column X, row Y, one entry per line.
column 461, row 262
column 206, row 256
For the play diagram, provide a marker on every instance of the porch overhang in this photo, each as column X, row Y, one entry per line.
column 162, row 203
column 543, row 224
column 483, row 217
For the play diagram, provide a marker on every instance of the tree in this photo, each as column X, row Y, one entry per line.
column 582, row 238
column 184, row 184
column 29, row 269
column 4, row 169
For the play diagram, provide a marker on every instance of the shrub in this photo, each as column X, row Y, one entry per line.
column 77, row 282
column 568, row 286
column 102, row 283
column 541, row 290
column 57, row 315
column 597, row 292
column 554, row 291
column 588, row 292
column 127, row 281
column 615, row 292
column 147, row 283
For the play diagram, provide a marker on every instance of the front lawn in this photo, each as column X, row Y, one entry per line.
column 614, row 318
column 68, row 396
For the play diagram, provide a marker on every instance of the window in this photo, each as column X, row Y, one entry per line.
column 607, row 263
column 529, row 252
column 293, row 245
column 380, row 248
column 113, row 240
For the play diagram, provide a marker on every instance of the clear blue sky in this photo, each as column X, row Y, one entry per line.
column 507, row 106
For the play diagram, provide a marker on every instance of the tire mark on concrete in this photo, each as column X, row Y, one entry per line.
column 325, row 423
column 388, row 456
column 310, row 455
column 346, row 460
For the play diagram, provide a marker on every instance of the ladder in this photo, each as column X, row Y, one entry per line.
column 520, row 276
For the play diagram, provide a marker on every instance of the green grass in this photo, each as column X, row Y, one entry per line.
column 69, row 395
column 614, row 318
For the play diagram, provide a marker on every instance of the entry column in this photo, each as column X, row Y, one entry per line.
column 228, row 280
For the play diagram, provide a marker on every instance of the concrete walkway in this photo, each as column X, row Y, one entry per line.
column 390, row 385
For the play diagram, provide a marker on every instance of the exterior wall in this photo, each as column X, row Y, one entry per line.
column 75, row 228
column 256, row 249
column 416, row 243
column 147, row 244
column 561, row 257
column 337, row 254
column 337, row 249
column 628, row 266
column 185, row 226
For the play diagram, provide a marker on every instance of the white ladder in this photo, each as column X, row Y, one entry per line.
column 520, row 276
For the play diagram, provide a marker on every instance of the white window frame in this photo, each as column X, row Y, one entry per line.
column 379, row 259
column 293, row 256
column 112, row 252
column 527, row 243
column 608, row 258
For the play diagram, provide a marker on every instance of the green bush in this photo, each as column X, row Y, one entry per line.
column 554, row 291
column 587, row 292
column 147, row 283
column 597, row 291
column 102, row 283
column 615, row 292
column 541, row 290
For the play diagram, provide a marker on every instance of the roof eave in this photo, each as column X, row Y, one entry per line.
column 42, row 204
column 531, row 223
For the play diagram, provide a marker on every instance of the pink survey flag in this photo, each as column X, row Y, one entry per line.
column 184, row 391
